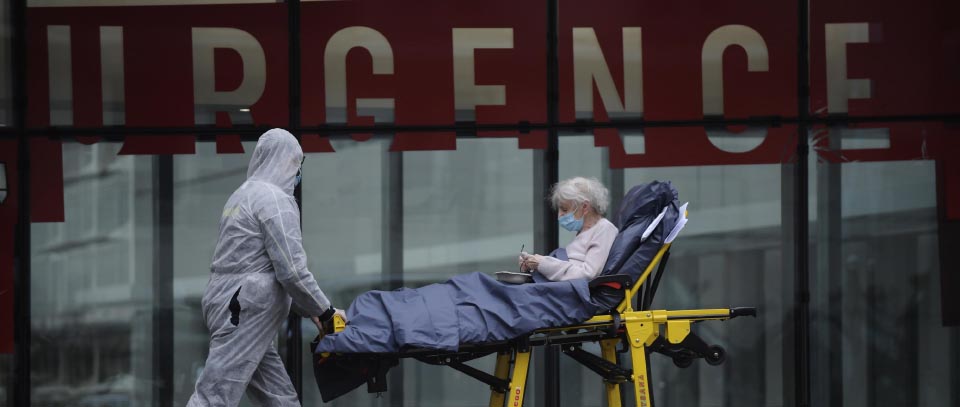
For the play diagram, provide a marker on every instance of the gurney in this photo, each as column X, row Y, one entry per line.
column 629, row 327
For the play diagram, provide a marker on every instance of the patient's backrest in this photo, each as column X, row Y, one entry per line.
column 646, row 219
column 649, row 213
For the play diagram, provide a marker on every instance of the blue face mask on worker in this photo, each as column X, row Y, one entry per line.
column 570, row 223
column 299, row 173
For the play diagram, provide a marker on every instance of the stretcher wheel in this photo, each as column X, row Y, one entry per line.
column 682, row 361
column 716, row 356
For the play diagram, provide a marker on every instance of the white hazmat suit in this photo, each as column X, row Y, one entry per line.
column 258, row 265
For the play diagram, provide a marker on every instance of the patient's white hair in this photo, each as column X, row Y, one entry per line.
column 579, row 190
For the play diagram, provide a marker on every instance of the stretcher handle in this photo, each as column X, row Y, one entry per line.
column 743, row 312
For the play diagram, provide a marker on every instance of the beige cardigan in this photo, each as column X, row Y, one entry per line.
column 587, row 254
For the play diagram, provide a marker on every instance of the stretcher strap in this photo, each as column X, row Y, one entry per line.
column 613, row 285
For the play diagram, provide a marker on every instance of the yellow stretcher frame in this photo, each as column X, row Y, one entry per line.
column 638, row 330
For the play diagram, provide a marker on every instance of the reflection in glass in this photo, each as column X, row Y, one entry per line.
column 342, row 228
column 466, row 210
column 6, row 369
column 463, row 211
column 91, row 288
column 877, row 336
column 730, row 254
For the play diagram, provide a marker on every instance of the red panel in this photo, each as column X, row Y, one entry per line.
column 157, row 61
column 228, row 66
column 673, row 34
column 422, row 83
column 673, row 37
column 534, row 140
column 315, row 143
column 46, row 180
column 38, row 88
column 88, row 140
column 229, row 144
column 8, row 221
column 413, row 141
column 168, row 144
column 688, row 146
column 85, row 61
column 951, row 176
column 912, row 58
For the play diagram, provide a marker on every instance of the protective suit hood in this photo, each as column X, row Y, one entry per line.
column 276, row 159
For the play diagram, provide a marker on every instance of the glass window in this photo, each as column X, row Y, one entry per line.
column 8, row 218
column 343, row 195
column 466, row 210
column 91, row 286
column 6, row 374
column 343, row 213
column 463, row 211
column 877, row 336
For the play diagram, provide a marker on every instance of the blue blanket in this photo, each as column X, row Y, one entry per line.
column 469, row 308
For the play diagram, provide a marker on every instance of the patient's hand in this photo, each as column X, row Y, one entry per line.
column 531, row 262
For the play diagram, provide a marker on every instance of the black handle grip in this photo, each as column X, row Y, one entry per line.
column 743, row 312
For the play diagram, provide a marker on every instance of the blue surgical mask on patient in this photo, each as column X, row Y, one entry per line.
column 570, row 223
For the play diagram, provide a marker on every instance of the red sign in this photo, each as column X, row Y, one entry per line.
column 424, row 64
column 146, row 67
column 391, row 62
column 379, row 61
column 884, row 57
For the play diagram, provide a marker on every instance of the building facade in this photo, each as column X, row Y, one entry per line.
column 816, row 143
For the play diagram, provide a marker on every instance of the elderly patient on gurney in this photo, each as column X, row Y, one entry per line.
column 476, row 308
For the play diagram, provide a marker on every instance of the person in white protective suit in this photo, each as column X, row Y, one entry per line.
column 258, row 265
